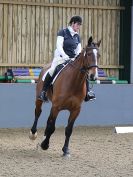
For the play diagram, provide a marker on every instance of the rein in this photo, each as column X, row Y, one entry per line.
column 83, row 69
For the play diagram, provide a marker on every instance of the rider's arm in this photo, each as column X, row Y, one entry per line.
column 59, row 47
column 78, row 49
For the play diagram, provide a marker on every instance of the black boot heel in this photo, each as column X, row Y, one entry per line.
column 43, row 96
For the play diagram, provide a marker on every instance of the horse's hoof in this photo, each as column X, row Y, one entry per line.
column 66, row 155
column 32, row 136
column 44, row 146
column 66, row 152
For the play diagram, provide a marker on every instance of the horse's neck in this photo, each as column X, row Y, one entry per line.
column 78, row 64
column 77, row 76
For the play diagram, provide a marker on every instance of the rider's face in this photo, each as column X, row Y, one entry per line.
column 76, row 26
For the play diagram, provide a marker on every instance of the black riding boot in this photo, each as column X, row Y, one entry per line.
column 89, row 94
column 47, row 82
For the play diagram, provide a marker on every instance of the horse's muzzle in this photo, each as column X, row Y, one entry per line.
column 93, row 75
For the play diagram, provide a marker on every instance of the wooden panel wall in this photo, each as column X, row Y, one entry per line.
column 28, row 30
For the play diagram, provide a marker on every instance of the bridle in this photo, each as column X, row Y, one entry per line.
column 87, row 68
column 84, row 69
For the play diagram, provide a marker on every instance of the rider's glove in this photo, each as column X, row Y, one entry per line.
column 66, row 57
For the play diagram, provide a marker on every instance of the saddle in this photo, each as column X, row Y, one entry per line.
column 58, row 70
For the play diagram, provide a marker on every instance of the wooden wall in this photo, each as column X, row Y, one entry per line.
column 28, row 30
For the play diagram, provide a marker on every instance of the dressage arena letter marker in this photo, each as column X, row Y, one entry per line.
column 124, row 129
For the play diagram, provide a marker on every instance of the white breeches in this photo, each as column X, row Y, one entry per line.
column 56, row 61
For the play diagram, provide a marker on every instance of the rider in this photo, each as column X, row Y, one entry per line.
column 68, row 45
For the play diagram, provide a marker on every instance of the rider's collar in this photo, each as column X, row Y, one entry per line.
column 72, row 31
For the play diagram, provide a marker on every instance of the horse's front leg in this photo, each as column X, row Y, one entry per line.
column 38, row 110
column 68, row 130
column 50, row 128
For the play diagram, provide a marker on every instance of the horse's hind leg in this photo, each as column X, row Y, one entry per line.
column 50, row 128
column 69, row 129
column 38, row 110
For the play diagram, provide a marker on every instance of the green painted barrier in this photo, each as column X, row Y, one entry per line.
column 109, row 82
column 5, row 78
column 9, row 78
column 121, row 82
column 2, row 78
column 24, row 81
column 92, row 82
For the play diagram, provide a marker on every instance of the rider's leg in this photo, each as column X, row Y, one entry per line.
column 47, row 82
column 49, row 77
column 89, row 94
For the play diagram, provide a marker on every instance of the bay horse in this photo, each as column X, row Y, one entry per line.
column 68, row 93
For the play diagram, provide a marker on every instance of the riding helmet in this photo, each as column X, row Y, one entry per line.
column 76, row 19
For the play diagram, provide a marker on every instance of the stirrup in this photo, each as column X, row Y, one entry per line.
column 90, row 96
column 43, row 96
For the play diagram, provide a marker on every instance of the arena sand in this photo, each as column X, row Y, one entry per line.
column 95, row 152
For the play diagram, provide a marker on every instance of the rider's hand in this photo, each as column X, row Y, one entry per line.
column 66, row 57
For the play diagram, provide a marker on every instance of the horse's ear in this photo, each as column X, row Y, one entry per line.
column 98, row 43
column 90, row 40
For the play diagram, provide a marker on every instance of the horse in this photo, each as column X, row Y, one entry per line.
column 67, row 93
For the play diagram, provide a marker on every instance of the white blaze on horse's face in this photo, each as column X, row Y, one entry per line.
column 96, row 71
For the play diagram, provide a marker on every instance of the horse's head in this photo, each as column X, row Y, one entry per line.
column 91, row 55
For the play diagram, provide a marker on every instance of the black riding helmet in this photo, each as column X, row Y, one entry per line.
column 76, row 19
